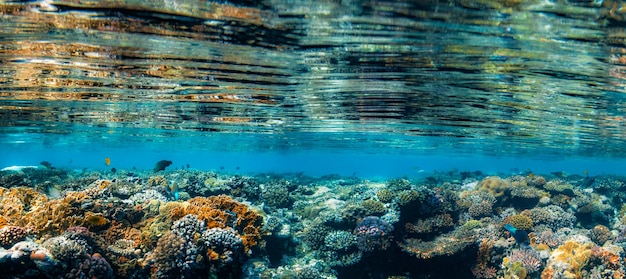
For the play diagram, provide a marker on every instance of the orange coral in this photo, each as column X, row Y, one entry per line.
column 568, row 260
column 610, row 259
column 221, row 212
column 3, row 222
column 58, row 215
column 15, row 202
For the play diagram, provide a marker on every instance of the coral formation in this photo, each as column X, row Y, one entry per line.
column 222, row 212
column 121, row 224
column 528, row 259
column 494, row 185
column 372, row 233
column 519, row 221
column 10, row 235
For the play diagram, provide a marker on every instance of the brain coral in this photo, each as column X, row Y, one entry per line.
column 222, row 212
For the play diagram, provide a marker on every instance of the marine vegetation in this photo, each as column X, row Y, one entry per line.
column 57, row 223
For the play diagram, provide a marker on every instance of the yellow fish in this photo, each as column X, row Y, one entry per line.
column 107, row 161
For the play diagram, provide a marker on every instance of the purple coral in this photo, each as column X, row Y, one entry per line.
column 373, row 234
column 529, row 258
column 95, row 267
column 10, row 235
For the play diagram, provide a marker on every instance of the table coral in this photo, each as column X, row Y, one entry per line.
column 443, row 245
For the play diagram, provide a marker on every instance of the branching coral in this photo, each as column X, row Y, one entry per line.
column 568, row 260
column 529, row 259
column 15, row 202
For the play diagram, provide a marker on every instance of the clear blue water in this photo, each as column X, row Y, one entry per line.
column 233, row 154
column 253, row 94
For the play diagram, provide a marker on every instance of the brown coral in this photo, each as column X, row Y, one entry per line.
column 157, row 181
column 519, row 221
column 601, row 234
column 95, row 220
column 10, row 235
column 494, row 185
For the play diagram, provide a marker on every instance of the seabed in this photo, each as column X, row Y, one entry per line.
column 60, row 223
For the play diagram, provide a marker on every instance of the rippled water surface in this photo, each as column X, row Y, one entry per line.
column 482, row 76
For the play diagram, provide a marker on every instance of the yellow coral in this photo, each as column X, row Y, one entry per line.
column 95, row 220
column 155, row 181
column 494, row 185
column 568, row 260
column 519, row 221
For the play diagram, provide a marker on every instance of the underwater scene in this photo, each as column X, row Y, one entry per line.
column 313, row 139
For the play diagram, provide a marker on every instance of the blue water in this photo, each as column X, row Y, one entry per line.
column 382, row 164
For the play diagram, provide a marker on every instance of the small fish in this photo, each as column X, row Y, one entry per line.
column 531, row 175
column 520, row 236
column 586, row 172
column 107, row 161
column 559, row 174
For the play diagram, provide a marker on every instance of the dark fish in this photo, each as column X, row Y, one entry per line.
column 559, row 174
column 47, row 165
column 161, row 165
column 520, row 236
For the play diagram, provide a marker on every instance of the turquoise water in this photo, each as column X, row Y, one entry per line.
column 313, row 139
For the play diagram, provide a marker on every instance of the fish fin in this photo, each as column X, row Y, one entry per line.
column 510, row 228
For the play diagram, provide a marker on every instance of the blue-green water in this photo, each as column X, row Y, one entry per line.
column 312, row 139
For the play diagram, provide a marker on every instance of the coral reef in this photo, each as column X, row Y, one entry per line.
column 130, row 225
